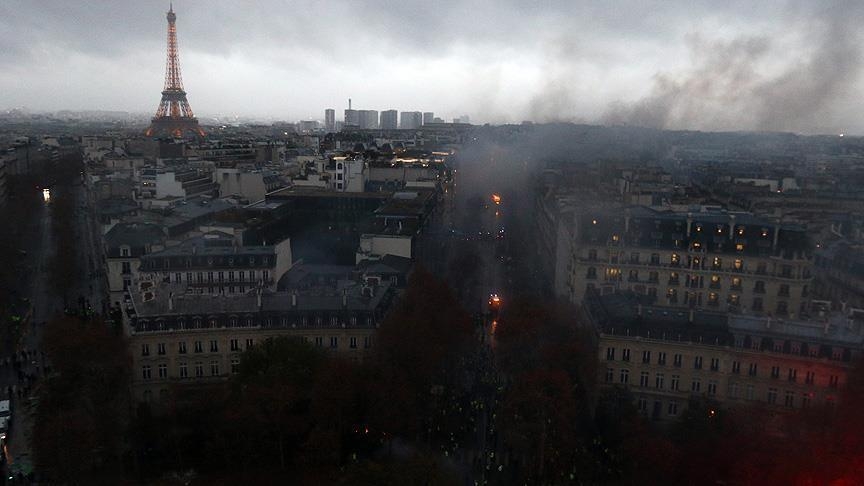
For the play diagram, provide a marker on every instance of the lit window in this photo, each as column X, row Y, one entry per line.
column 739, row 247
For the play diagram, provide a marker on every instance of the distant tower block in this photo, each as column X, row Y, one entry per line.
column 174, row 116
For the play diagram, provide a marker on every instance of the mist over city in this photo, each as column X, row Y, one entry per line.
column 438, row 243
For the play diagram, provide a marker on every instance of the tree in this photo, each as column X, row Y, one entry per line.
column 84, row 405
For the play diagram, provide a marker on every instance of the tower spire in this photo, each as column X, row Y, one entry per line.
column 174, row 116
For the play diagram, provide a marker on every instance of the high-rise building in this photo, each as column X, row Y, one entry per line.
column 409, row 120
column 174, row 116
column 428, row 117
column 330, row 120
column 389, row 119
column 352, row 118
column 368, row 119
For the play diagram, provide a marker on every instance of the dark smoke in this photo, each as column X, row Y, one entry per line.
column 727, row 89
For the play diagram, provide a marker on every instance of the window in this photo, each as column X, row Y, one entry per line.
column 319, row 341
column 181, row 347
column 367, row 342
column 674, row 382
column 673, row 408
column 758, row 306
column 836, row 353
column 625, row 376
column 653, row 277
column 733, row 390
column 676, row 360
column 235, row 345
column 786, row 271
column 199, row 369
column 214, row 346
column 592, row 254
column 713, row 299
column 634, row 257
column 675, row 259
column 736, row 367
column 833, row 381
column 610, row 354
column 235, row 366
column 210, row 277
column 658, row 381
column 750, row 392
column 643, row 379
column 697, row 363
column 661, row 358
column 199, row 347
column 145, row 350
column 759, row 287
column 160, row 349
column 214, row 368
column 646, row 356
column 127, row 268
column 184, row 370
column 805, row 400
column 642, row 405
column 717, row 264
column 793, row 375
column 752, row 370
column 775, row 372
column 736, row 283
column 655, row 259
column 783, row 291
column 221, row 276
column 163, row 371
column 712, row 387
column 761, row 268
column 810, row 377
column 352, row 342
column 334, row 342
column 772, row 395
column 124, row 252
column 782, row 307
column 789, row 400
column 249, row 343
column 738, row 264
column 715, row 282
column 696, row 386
column 146, row 372
column 672, row 295
column 592, row 273
column 610, row 375
column 625, row 354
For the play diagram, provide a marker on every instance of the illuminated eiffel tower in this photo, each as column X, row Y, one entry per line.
column 174, row 116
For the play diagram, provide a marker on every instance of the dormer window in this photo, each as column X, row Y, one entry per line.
column 124, row 251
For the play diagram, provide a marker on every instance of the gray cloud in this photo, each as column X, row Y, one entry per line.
column 505, row 60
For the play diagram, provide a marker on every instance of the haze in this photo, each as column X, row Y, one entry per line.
column 779, row 66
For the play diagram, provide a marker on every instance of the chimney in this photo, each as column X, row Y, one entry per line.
column 344, row 298
column 294, row 299
column 170, row 301
column 349, row 103
column 259, row 298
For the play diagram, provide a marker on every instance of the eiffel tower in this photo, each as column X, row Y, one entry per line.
column 174, row 116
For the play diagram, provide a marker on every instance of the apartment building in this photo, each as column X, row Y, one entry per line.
column 181, row 339
column 701, row 259
column 665, row 357
column 215, row 263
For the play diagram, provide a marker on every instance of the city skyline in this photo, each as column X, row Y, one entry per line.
column 786, row 66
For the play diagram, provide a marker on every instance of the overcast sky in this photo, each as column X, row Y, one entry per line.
column 709, row 65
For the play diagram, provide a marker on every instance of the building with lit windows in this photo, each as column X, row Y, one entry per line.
column 666, row 357
column 703, row 259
